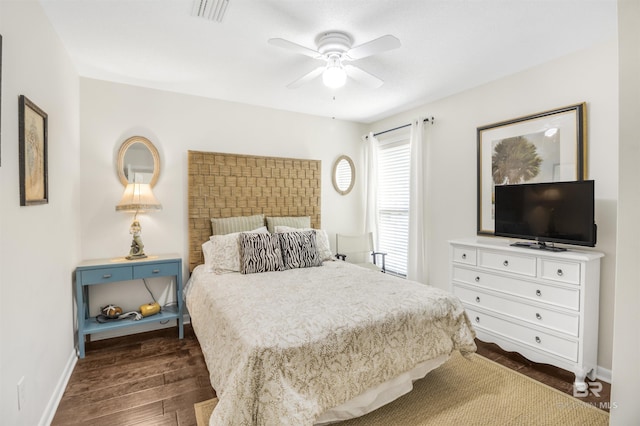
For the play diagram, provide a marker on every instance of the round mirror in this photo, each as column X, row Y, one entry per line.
column 138, row 161
column 344, row 175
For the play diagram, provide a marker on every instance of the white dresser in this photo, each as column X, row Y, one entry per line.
column 541, row 304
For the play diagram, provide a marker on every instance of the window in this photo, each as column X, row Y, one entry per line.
column 393, row 201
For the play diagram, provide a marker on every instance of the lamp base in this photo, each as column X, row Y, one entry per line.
column 137, row 248
column 136, row 256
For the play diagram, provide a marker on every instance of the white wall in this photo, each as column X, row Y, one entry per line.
column 175, row 124
column 39, row 245
column 626, row 338
column 589, row 76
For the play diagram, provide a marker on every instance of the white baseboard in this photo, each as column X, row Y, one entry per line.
column 54, row 401
column 604, row 374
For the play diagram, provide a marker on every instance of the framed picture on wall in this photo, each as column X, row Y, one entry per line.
column 32, row 122
column 546, row 147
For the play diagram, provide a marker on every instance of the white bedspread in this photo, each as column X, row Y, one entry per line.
column 283, row 347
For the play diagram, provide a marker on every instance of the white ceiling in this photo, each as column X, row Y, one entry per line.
column 447, row 46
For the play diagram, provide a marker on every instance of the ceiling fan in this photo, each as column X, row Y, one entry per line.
column 335, row 49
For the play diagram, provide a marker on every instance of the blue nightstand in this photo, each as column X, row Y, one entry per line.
column 106, row 271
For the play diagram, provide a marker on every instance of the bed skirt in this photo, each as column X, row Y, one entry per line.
column 380, row 395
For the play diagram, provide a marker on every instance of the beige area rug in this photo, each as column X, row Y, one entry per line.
column 473, row 391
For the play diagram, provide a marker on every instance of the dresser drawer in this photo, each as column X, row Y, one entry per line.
column 564, row 348
column 466, row 255
column 507, row 262
column 544, row 293
column 158, row 269
column 559, row 321
column 566, row 272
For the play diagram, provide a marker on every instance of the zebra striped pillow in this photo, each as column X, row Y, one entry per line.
column 322, row 240
column 260, row 253
column 299, row 249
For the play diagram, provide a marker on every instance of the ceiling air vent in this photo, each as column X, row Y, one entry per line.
column 210, row 9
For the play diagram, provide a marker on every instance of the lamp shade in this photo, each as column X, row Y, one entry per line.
column 138, row 197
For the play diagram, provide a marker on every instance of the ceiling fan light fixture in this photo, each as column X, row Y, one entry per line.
column 334, row 76
column 335, row 47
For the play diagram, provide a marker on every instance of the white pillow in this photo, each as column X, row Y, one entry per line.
column 298, row 222
column 222, row 252
column 229, row 225
column 322, row 239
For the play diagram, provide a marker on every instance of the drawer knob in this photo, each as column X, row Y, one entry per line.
column 155, row 271
column 538, row 316
column 538, row 293
column 478, row 299
column 505, row 263
column 464, row 255
column 477, row 319
column 538, row 340
column 559, row 272
column 477, row 279
column 106, row 276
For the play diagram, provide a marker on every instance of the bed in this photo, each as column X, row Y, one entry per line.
column 309, row 340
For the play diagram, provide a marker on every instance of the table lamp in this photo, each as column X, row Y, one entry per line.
column 137, row 198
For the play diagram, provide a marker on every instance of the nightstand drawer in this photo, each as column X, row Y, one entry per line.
column 565, row 272
column 158, row 269
column 507, row 262
column 107, row 275
column 544, row 317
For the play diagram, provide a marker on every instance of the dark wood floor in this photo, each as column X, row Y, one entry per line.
column 555, row 377
column 154, row 379
column 144, row 379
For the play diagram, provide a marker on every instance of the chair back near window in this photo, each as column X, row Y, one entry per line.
column 357, row 248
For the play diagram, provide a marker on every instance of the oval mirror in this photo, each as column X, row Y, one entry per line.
column 138, row 161
column 344, row 175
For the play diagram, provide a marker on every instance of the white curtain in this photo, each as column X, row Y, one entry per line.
column 371, row 187
column 417, row 250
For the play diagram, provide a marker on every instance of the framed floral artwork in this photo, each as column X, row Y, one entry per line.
column 549, row 146
column 33, row 122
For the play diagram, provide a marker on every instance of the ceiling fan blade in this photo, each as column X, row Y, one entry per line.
column 363, row 77
column 294, row 47
column 378, row 45
column 306, row 78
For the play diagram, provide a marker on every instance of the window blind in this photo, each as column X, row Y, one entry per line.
column 393, row 204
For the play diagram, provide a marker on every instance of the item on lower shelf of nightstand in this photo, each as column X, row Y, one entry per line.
column 111, row 311
column 149, row 309
column 102, row 318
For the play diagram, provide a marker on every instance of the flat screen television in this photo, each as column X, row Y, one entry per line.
column 553, row 212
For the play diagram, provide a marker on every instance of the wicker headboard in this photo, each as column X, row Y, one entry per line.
column 226, row 185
